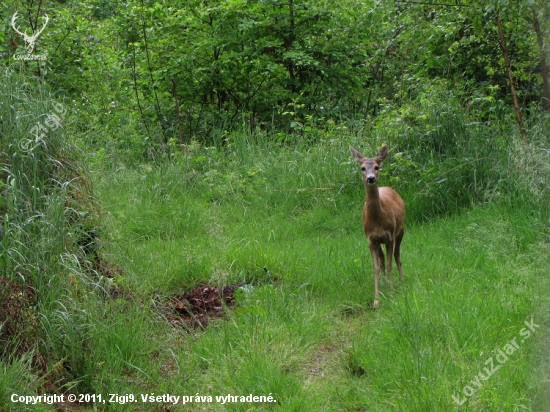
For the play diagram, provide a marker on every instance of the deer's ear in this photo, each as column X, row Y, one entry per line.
column 382, row 154
column 358, row 157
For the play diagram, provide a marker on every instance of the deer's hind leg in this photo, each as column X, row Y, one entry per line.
column 397, row 254
column 390, row 244
column 382, row 263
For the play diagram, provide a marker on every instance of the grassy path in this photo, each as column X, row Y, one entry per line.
column 462, row 329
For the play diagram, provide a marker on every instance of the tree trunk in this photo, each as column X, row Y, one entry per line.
column 150, row 69
column 178, row 111
column 511, row 80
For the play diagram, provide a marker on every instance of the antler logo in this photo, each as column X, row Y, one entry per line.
column 29, row 40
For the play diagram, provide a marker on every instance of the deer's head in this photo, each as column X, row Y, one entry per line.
column 370, row 166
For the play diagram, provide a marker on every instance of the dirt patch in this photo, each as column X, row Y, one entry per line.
column 19, row 333
column 18, row 321
column 195, row 308
column 107, row 269
column 114, row 289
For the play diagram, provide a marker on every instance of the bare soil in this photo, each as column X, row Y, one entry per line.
column 197, row 307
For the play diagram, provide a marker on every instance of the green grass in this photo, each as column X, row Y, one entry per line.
column 285, row 219
column 288, row 223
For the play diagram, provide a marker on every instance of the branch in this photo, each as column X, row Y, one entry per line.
column 511, row 79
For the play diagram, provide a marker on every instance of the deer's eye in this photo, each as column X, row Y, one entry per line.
column 363, row 168
column 376, row 168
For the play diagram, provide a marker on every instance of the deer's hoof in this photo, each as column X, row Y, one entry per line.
column 376, row 304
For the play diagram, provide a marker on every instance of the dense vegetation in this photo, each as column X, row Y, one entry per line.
column 162, row 146
column 142, row 73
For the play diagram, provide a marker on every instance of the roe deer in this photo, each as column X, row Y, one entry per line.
column 383, row 217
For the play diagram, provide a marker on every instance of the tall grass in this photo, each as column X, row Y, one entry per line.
column 285, row 218
column 47, row 215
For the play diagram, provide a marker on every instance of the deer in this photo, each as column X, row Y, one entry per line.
column 383, row 218
column 29, row 40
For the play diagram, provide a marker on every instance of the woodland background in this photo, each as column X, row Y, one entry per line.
column 169, row 151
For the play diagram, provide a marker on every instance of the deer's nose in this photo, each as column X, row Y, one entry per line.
column 371, row 179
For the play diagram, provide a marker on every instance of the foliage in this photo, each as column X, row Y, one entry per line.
column 144, row 72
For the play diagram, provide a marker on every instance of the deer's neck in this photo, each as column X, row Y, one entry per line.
column 372, row 201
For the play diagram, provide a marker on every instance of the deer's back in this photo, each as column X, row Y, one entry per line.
column 390, row 199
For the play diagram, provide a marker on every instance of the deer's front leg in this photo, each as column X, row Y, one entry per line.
column 374, row 250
